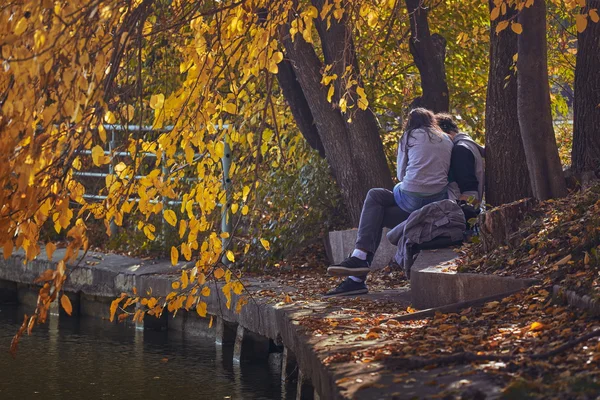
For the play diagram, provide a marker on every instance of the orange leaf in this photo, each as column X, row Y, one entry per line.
column 66, row 304
column 201, row 309
column 50, row 247
column 219, row 273
column 516, row 28
column 372, row 335
column 184, row 279
column 210, row 323
column 581, row 22
column 536, row 326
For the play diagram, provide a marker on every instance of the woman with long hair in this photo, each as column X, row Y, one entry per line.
column 423, row 162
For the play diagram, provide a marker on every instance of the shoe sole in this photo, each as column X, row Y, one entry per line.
column 350, row 293
column 338, row 270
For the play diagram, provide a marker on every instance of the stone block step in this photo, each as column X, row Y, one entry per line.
column 435, row 282
column 341, row 243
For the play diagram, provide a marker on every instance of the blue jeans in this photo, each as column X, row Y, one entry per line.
column 409, row 202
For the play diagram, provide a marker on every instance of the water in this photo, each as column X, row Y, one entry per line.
column 85, row 358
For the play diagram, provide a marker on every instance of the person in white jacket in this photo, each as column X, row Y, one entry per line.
column 424, row 154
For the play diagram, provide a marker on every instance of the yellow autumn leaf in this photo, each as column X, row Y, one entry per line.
column 110, row 118
column 186, row 251
column 277, row 57
column 265, row 243
column 201, row 279
column 230, row 256
column 594, row 15
column 495, row 13
column 245, row 192
column 245, row 210
column 238, row 288
column 210, row 324
column 102, row 133
column 363, row 103
column 157, row 101
column 50, row 248
column 343, row 104
column 65, row 302
column 372, row 19
column 174, row 255
column 114, row 305
column 235, row 207
column 536, row 326
column 230, row 108
column 330, row 93
column 219, row 273
column 20, row 26
column 128, row 112
column 502, row 25
column 205, row 291
column 97, row 155
column 182, row 228
column 201, row 309
column 581, row 22
column 170, row 217
column 516, row 28
column 273, row 68
column 184, row 279
column 175, row 285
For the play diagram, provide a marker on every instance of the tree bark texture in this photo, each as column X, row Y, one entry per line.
column 362, row 132
column 506, row 174
column 429, row 54
column 585, row 155
column 330, row 125
column 533, row 102
column 292, row 91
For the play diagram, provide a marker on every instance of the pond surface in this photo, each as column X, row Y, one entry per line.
column 86, row 358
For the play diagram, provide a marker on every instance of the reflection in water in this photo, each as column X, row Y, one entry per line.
column 71, row 358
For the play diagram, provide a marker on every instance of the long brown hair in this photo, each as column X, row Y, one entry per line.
column 422, row 118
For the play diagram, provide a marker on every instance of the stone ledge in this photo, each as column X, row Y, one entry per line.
column 434, row 283
column 101, row 278
column 585, row 302
column 341, row 243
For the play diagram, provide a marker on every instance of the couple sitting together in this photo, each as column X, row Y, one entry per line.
column 438, row 168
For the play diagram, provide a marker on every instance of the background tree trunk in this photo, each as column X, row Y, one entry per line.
column 362, row 130
column 292, row 91
column 586, row 111
column 533, row 102
column 347, row 169
column 506, row 175
column 429, row 54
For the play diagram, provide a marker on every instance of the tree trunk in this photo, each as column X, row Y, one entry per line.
column 585, row 155
column 362, row 131
column 330, row 124
column 533, row 102
column 429, row 54
column 292, row 91
column 506, row 175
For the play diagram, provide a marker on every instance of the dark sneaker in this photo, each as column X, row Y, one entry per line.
column 351, row 266
column 347, row 288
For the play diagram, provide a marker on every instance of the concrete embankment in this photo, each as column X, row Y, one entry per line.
column 266, row 328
